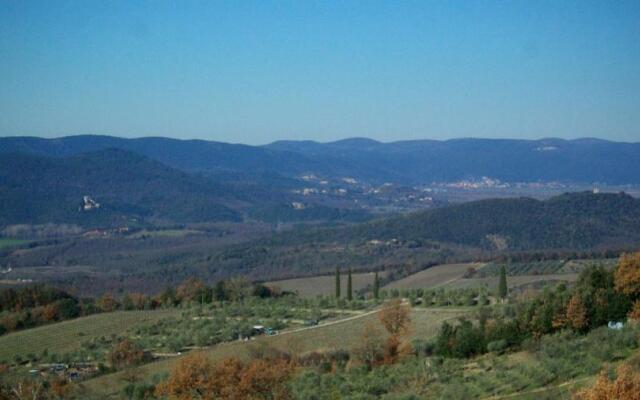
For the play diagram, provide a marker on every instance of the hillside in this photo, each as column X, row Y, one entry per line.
column 131, row 188
column 570, row 221
column 128, row 188
column 403, row 162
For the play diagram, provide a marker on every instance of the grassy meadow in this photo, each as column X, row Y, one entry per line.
column 513, row 282
column 8, row 242
column 67, row 336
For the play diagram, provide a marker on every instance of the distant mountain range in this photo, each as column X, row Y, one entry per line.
column 405, row 162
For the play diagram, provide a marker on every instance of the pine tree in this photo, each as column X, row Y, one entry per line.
column 502, row 288
column 349, row 288
column 337, row 283
column 376, row 286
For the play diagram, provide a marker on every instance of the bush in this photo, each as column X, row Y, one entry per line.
column 498, row 346
column 423, row 347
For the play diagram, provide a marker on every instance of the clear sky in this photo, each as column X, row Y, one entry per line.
column 254, row 72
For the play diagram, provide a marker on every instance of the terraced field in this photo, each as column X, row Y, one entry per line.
column 67, row 336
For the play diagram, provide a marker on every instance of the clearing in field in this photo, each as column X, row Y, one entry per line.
column 439, row 275
column 7, row 242
column 67, row 336
column 170, row 233
column 324, row 285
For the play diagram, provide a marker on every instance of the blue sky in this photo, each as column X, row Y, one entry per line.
column 255, row 72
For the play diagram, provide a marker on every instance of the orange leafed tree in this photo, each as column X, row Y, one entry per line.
column 107, row 302
column 265, row 379
column 576, row 313
column 192, row 378
column 626, row 386
column 627, row 275
column 50, row 312
column 635, row 311
column 627, row 280
column 139, row 300
column 196, row 377
column 190, row 289
column 125, row 354
column 396, row 319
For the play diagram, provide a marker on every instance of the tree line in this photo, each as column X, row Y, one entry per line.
column 37, row 305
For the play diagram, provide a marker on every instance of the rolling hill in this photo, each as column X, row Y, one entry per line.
column 127, row 186
column 571, row 221
column 132, row 189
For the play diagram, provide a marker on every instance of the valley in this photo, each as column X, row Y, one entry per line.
column 119, row 270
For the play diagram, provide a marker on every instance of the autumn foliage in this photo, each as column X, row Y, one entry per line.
column 577, row 313
column 396, row 320
column 196, row 377
column 627, row 281
column 627, row 275
column 635, row 311
column 126, row 354
column 190, row 290
column 626, row 386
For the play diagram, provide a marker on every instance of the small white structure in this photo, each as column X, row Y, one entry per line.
column 88, row 204
column 297, row 205
column 615, row 325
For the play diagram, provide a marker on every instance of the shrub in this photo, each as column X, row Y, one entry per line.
column 497, row 346
column 126, row 354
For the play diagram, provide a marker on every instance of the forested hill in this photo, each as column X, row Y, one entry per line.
column 404, row 162
column 127, row 186
column 570, row 221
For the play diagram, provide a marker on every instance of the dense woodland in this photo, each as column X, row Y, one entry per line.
column 575, row 221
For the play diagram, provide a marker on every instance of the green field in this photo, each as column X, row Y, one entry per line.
column 341, row 334
column 325, row 285
column 512, row 281
column 547, row 267
column 170, row 233
column 451, row 276
column 7, row 242
column 433, row 277
column 67, row 336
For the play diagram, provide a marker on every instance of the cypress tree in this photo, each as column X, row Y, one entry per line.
column 349, row 291
column 337, row 283
column 502, row 287
column 376, row 286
